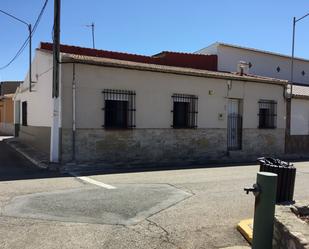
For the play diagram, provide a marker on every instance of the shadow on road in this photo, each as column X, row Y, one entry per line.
column 13, row 166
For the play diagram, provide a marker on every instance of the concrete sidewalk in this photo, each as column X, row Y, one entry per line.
column 38, row 158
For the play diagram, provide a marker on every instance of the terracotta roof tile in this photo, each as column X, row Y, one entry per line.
column 187, row 60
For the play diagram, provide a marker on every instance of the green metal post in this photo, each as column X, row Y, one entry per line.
column 263, row 225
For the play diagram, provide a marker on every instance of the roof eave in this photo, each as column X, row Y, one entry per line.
column 66, row 58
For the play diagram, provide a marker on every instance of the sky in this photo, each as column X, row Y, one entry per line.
column 150, row 26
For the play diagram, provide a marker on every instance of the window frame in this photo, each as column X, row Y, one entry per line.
column 272, row 115
column 191, row 113
column 120, row 95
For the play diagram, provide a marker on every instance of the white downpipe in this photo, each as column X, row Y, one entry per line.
column 54, row 140
column 73, row 114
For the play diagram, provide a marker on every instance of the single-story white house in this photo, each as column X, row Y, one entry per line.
column 124, row 111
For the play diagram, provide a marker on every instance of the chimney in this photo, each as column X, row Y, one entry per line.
column 243, row 68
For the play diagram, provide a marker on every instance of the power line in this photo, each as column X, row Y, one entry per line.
column 24, row 45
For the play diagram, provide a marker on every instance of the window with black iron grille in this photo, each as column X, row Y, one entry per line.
column 119, row 109
column 267, row 114
column 24, row 113
column 184, row 111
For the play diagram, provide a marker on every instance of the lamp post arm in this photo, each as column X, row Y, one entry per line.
column 14, row 17
column 301, row 17
column 30, row 41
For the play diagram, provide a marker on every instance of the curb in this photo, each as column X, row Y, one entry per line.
column 36, row 162
column 245, row 227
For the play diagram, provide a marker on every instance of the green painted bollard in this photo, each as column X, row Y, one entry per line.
column 264, row 212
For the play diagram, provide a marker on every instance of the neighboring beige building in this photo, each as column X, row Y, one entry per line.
column 274, row 65
column 125, row 112
column 261, row 62
column 7, row 90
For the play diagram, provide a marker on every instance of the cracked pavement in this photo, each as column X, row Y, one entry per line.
column 205, row 217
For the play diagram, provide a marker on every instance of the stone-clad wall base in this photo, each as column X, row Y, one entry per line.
column 260, row 142
column 168, row 146
column 145, row 146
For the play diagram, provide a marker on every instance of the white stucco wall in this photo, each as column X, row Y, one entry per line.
column 262, row 63
column 300, row 117
column 153, row 96
column 39, row 101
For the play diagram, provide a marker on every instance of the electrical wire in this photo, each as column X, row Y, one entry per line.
column 24, row 45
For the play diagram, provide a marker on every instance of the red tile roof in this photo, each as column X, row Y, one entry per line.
column 187, row 60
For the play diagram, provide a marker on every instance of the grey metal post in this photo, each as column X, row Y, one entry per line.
column 292, row 57
column 92, row 27
column 293, row 45
column 265, row 202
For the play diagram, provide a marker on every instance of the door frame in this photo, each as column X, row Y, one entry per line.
column 234, row 125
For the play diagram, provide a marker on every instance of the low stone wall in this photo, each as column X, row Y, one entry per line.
column 35, row 136
column 168, row 146
column 260, row 142
column 290, row 232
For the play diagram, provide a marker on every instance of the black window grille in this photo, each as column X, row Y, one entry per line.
column 184, row 111
column 119, row 109
column 267, row 114
column 24, row 113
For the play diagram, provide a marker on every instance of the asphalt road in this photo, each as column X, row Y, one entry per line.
column 188, row 208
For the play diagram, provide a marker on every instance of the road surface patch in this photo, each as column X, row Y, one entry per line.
column 127, row 204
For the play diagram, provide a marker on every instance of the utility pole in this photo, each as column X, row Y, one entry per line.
column 30, row 57
column 92, row 30
column 55, row 134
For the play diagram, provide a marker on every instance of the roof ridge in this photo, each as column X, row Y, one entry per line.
column 95, row 49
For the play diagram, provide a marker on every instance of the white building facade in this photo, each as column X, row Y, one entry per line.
column 123, row 112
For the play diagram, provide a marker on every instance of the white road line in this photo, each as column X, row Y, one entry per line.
column 89, row 180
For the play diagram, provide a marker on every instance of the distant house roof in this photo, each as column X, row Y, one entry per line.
column 108, row 62
column 8, row 87
column 187, row 60
column 300, row 91
column 254, row 50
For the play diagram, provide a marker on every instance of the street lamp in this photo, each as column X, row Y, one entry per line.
column 30, row 40
column 92, row 30
column 293, row 42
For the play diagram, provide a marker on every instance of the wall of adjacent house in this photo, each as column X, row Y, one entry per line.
column 39, row 102
column 262, row 63
column 300, row 117
column 6, row 116
column 153, row 139
column 297, row 142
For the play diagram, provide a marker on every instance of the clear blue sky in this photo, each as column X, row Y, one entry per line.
column 150, row 26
